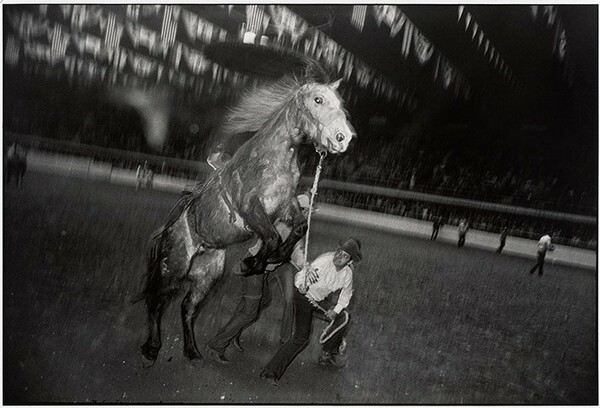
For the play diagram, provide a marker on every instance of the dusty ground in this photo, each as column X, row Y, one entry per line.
column 432, row 324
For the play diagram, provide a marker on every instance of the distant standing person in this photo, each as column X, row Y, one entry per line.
column 463, row 227
column 503, row 235
column 545, row 244
column 437, row 224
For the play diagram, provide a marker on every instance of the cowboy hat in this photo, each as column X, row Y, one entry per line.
column 352, row 248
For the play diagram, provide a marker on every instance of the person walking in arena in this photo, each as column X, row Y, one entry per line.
column 463, row 227
column 544, row 245
column 503, row 235
column 256, row 294
column 437, row 224
column 330, row 272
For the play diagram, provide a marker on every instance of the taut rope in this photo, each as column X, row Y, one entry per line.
column 313, row 191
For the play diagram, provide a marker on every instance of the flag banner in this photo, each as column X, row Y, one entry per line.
column 423, row 48
column 475, row 28
column 550, row 15
column 37, row 51
column 448, row 73
column 198, row 29
column 534, row 12
column 87, row 44
column 467, row 20
column 133, row 12
column 142, row 65
column 151, row 10
column 59, row 42
column 169, row 25
column 176, row 54
column 359, row 13
column 392, row 16
column 144, row 37
column 12, row 51
column 562, row 45
column 254, row 18
column 69, row 63
column 408, row 31
column 66, row 11
column 460, row 12
column 481, row 36
column 113, row 31
column 287, row 22
column 86, row 17
column 196, row 61
column 27, row 27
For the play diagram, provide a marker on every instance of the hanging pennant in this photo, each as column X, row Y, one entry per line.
column 190, row 23
column 112, row 32
column 460, row 12
column 534, row 12
column 423, row 48
column 59, row 42
column 359, row 14
column 467, row 20
column 408, row 32
column 12, row 51
column 397, row 24
column 196, row 61
column 475, row 27
column 169, row 25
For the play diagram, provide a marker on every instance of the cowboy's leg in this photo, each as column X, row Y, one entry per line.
column 245, row 314
column 332, row 345
column 541, row 262
column 286, row 354
column 285, row 280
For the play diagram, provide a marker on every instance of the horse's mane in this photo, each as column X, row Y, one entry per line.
column 257, row 105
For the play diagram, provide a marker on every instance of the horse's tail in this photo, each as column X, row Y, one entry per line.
column 153, row 282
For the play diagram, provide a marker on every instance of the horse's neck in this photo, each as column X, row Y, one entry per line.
column 279, row 133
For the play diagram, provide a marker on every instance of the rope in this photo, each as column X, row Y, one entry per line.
column 313, row 191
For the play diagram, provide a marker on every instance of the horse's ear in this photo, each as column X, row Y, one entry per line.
column 336, row 84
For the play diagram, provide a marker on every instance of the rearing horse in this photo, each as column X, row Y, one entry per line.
column 242, row 198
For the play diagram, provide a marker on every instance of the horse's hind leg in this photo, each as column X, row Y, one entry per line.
column 203, row 275
column 156, row 306
column 161, row 285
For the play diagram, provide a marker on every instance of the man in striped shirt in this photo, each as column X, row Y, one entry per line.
column 330, row 272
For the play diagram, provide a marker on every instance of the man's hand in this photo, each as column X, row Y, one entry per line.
column 330, row 314
column 312, row 274
column 303, row 289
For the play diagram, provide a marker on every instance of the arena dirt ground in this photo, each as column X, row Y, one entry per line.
column 431, row 324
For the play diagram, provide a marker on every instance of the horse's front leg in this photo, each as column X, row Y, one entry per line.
column 259, row 222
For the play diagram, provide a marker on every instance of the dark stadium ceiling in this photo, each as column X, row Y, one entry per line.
column 537, row 63
column 535, row 70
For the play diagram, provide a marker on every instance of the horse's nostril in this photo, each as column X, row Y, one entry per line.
column 339, row 137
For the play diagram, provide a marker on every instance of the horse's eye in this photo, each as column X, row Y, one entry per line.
column 339, row 136
column 319, row 100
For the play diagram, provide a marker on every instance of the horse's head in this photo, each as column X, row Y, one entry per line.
column 325, row 119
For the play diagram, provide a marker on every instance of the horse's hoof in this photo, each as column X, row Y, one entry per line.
column 146, row 363
column 150, row 353
column 193, row 356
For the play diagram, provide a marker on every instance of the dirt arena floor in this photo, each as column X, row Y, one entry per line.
column 432, row 324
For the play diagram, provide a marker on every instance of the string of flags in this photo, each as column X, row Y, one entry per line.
column 313, row 42
column 164, row 43
column 485, row 46
column 549, row 16
column 415, row 45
